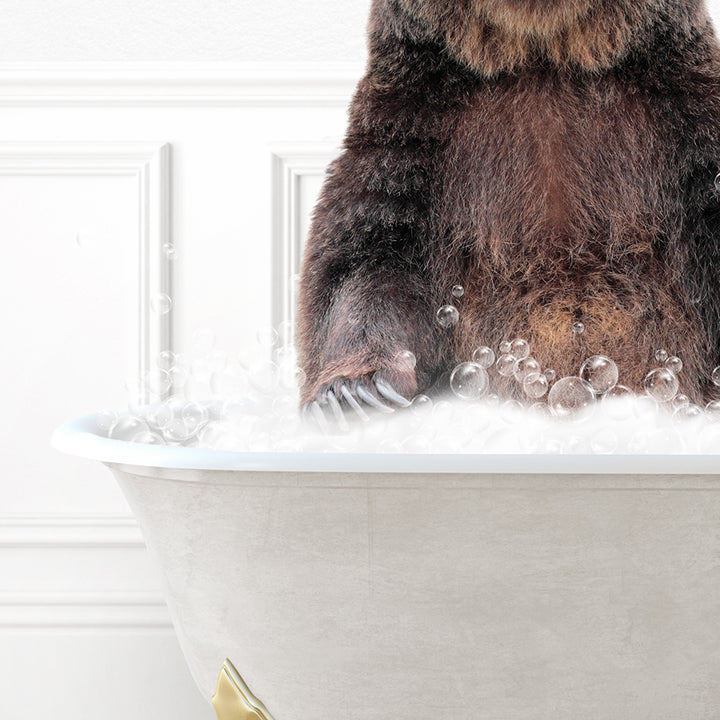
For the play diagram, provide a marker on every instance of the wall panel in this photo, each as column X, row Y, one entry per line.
column 99, row 168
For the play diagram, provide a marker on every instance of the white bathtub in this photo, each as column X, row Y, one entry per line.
column 360, row 587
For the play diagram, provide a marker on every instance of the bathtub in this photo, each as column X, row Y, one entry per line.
column 414, row 587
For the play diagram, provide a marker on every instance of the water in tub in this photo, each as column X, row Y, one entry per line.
column 248, row 401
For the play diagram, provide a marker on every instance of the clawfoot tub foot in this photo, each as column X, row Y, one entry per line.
column 233, row 700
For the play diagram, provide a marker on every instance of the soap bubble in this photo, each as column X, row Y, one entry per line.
column 639, row 441
column 665, row 439
column 616, row 402
column 510, row 412
column 148, row 438
column 575, row 445
column 127, row 427
column 484, row 356
column 458, row 291
column 527, row 369
column 716, row 376
column 709, row 439
column 267, row 337
column 177, row 431
column 600, row 372
column 712, row 410
column 194, row 415
column 661, row 384
column 688, row 412
column 536, row 387
column 159, row 415
column 570, row 396
column 288, row 356
column 475, row 419
column 604, row 441
column 161, row 303
column 212, row 362
column 251, row 403
column 157, row 381
column 201, row 369
column 178, row 376
column 519, row 348
column 618, row 392
column 645, row 408
column 506, row 365
column 550, row 444
column 539, row 410
column 284, row 406
column 578, row 328
column 421, row 404
column 290, row 376
column 203, row 340
column 505, row 347
column 234, row 409
column 442, row 409
column 165, row 359
column 231, row 382
column 169, row 251
column 263, row 377
column 406, row 360
column 447, row 316
column 661, row 355
column 674, row 364
column 213, row 436
column 469, row 381
column 105, row 419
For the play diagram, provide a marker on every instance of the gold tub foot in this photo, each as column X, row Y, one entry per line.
column 233, row 700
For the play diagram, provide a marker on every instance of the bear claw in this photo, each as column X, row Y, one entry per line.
column 331, row 403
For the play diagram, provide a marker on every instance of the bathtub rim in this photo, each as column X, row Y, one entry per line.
column 80, row 437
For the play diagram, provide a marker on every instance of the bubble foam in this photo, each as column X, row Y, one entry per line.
column 249, row 402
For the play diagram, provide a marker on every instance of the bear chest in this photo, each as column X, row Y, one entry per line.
column 533, row 161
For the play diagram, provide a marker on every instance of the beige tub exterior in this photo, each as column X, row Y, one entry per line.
column 342, row 592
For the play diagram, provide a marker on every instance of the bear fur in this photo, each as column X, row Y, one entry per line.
column 556, row 158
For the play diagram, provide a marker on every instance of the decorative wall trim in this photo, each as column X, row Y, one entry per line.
column 290, row 163
column 69, row 532
column 149, row 164
column 64, row 610
column 158, row 84
column 29, row 611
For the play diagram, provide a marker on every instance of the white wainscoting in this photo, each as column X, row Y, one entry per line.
column 297, row 175
column 111, row 584
column 148, row 164
column 102, row 166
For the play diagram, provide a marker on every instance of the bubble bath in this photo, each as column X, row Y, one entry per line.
column 246, row 402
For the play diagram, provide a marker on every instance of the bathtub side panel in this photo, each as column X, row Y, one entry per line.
column 276, row 579
column 493, row 602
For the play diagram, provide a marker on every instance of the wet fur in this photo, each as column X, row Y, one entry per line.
column 558, row 163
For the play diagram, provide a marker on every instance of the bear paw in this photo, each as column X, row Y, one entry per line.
column 341, row 398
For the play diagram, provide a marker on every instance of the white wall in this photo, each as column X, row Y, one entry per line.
column 94, row 97
column 76, row 588
column 183, row 30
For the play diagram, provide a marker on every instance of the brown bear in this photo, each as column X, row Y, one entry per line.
column 557, row 159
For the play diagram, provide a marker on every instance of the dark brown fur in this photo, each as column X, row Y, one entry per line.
column 554, row 157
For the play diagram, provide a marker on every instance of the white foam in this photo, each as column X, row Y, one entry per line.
column 245, row 403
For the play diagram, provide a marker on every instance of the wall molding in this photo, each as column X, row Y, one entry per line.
column 69, row 532
column 76, row 610
column 158, row 84
column 149, row 164
column 61, row 609
column 290, row 163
